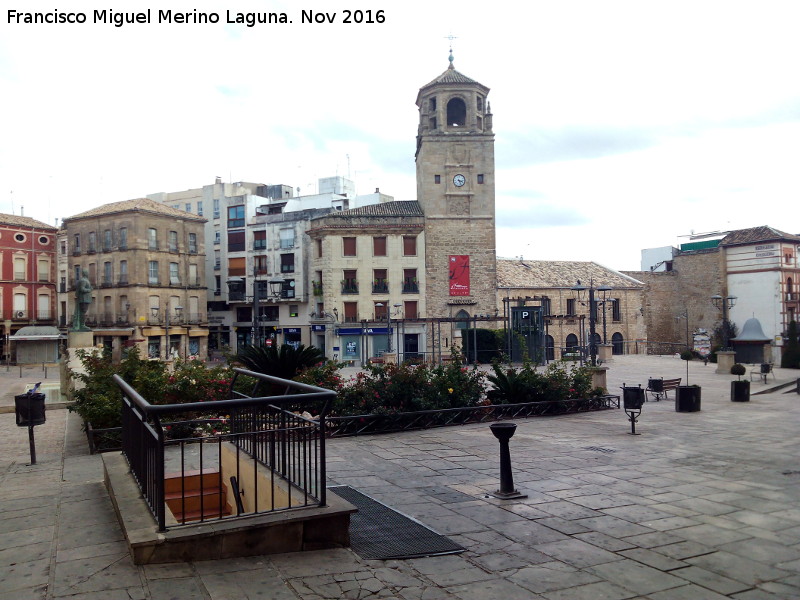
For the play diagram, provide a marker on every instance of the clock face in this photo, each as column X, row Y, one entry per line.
column 459, row 180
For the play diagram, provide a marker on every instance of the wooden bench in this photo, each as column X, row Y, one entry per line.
column 763, row 370
column 659, row 387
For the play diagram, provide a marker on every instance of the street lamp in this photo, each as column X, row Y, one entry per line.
column 604, row 289
column 579, row 289
column 724, row 304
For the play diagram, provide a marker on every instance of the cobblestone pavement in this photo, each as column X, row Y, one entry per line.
column 699, row 506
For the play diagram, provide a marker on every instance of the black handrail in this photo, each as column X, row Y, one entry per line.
column 143, row 438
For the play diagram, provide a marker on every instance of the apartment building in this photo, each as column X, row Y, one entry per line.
column 145, row 262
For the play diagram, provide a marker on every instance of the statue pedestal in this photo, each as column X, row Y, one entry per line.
column 71, row 363
column 605, row 353
column 725, row 360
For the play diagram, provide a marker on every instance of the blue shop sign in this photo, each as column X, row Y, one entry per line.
column 360, row 331
column 291, row 330
column 318, row 328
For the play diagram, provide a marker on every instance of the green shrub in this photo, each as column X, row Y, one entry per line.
column 738, row 370
column 556, row 383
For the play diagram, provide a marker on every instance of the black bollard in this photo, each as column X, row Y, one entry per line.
column 503, row 432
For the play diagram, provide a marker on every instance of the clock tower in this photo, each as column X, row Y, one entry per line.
column 455, row 189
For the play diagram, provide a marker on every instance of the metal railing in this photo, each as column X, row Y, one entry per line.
column 268, row 440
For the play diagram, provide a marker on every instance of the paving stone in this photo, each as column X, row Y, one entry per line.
column 653, row 559
column 683, row 550
column 687, row 592
column 494, row 588
column 742, row 569
column 613, row 526
column 550, row 577
column 577, row 553
column 636, row 577
column 593, row 591
column 604, row 541
column 711, row 580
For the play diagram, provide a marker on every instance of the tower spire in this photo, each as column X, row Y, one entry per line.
column 451, row 37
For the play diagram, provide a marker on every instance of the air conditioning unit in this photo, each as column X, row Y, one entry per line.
column 20, row 314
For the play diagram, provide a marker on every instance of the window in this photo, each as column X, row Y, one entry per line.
column 351, row 312
column 261, row 264
column 19, row 269
column 217, row 262
column 217, row 237
column 173, row 241
column 76, row 244
column 236, row 241
column 199, row 209
column 319, row 248
column 192, row 243
column 259, row 240
column 108, row 278
column 123, row 238
column 216, row 208
column 237, row 266
column 433, row 104
column 107, row 240
column 379, row 246
column 287, row 238
column 174, row 276
column 349, row 246
column 188, row 207
column 571, row 341
column 294, row 310
column 616, row 313
column 349, row 283
column 456, row 113
column 92, row 242
column 152, row 272
column 20, row 306
column 437, row 179
column 20, row 237
column 43, row 240
column 480, row 103
column 152, row 239
column 287, row 263
column 480, row 177
column 123, row 272
column 379, row 283
column 380, row 311
column 410, row 283
column 409, row 245
column 44, row 269
column 93, row 273
column 194, row 280
column 63, row 248
column 77, row 273
column 410, row 309
column 571, row 307
column 546, row 306
column 287, row 289
column 236, row 216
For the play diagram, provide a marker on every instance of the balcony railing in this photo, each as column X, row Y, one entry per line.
column 380, row 287
column 123, row 280
column 349, row 286
column 410, row 287
column 317, row 287
column 262, row 432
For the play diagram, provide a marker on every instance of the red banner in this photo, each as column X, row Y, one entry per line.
column 459, row 275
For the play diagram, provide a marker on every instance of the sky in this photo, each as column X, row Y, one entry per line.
column 618, row 125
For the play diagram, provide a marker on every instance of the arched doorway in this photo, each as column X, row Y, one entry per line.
column 617, row 343
column 549, row 348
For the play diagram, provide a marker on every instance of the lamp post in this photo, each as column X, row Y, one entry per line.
column 724, row 304
column 604, row 289
column 579, row 289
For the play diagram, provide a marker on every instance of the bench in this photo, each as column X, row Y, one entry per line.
column 659, row 387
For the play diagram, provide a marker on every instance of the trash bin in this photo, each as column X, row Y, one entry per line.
column 30, row 409
column 632, row 398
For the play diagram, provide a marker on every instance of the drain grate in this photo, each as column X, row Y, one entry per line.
column 599, row 449
column 378, row 532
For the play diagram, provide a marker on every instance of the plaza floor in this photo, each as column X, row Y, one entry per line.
column 702, row 505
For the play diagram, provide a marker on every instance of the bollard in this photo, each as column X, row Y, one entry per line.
column 503, row 432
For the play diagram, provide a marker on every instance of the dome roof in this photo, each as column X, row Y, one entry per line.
column 751, row 332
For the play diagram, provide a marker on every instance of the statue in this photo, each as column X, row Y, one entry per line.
column 83, row 298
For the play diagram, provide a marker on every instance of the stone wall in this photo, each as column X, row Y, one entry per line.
column 696, row 276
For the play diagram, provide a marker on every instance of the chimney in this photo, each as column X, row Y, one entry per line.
column 218, row 180
column 377, row 190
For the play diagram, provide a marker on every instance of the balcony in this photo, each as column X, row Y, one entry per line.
column 236, row 296
column 76, row 252
column 107, row 320
column 106, row 248
column 410, row 287
column 153, row 281
column 173, row 249
column 349, row 286
column 196, row 318
column 107, row 282
column 152, row 246
column 379, row 286
column 91, row 250
column 122, row 246
column 317, row 287
column 352, row 319
column 123, row 280
column 792, row 296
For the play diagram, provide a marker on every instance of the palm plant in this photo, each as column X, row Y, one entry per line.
column 285, row 361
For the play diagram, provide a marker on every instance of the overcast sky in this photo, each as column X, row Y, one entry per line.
column 619, row 125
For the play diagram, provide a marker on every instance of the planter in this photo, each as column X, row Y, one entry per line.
column 740, row 391
column 687, row 398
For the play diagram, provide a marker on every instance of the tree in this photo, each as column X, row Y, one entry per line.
column 790, row 358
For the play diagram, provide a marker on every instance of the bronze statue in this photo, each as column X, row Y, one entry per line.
column 83, row 298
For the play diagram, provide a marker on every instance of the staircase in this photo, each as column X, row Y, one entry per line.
column 199, row 498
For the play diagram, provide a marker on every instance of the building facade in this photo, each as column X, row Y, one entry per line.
column 27, row 276
column 367, row 272
column 548, row 285
column 145, row 262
